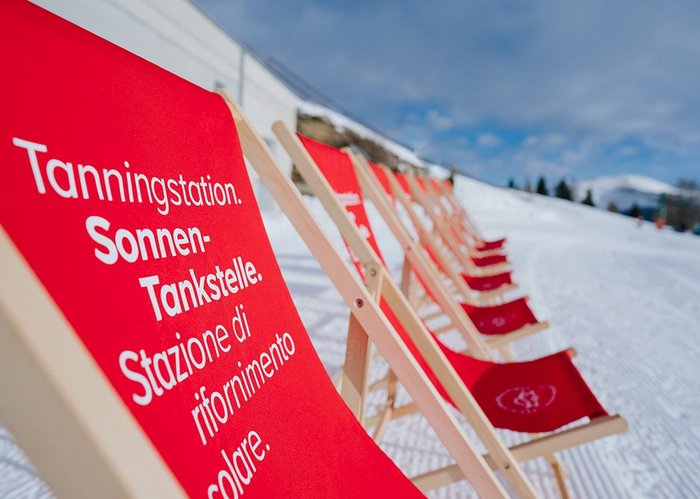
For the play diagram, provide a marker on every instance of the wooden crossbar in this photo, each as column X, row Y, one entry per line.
column 496, row 341
column 549, row 444
column 398, row 412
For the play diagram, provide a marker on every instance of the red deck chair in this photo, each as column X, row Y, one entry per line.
column 76, row 317
column 541, row 395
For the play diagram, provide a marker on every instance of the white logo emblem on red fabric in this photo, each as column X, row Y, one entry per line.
column 498, row 321
column 526, row 399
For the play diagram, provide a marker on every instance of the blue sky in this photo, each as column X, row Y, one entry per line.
column 501, row 88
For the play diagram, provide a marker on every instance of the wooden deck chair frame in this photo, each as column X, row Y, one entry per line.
column 370, row 186
column 459, row 320
column 499, row 455
column 460, row 251
column 460, row 216
column 435, row 193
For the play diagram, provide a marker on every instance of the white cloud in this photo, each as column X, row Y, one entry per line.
column 488, row 140
column 440, row 121
column 627, row 151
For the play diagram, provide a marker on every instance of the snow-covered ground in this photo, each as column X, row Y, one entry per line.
column 627, row 298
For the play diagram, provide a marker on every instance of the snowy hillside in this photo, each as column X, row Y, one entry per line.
column 625, row 297
column 624, row 190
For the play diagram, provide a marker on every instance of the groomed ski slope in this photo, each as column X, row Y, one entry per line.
column 627, row 298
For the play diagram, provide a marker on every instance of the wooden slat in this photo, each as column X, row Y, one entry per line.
column 549, row 444
column 523, row 332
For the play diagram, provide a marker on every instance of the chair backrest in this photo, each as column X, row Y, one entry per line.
column 348, row 191
column 338, row 170
column 149, row 344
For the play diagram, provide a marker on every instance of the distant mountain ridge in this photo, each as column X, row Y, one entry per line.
column 624, row 190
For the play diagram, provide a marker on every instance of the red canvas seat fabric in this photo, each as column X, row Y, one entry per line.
column 502, row 318
column 536, row 396
column 491, row 245
column 487, row 261
column 76, row 99
column 488, row 283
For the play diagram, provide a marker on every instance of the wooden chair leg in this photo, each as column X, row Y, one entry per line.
column 560, row 474
column 389, row 407
column 559, row 470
